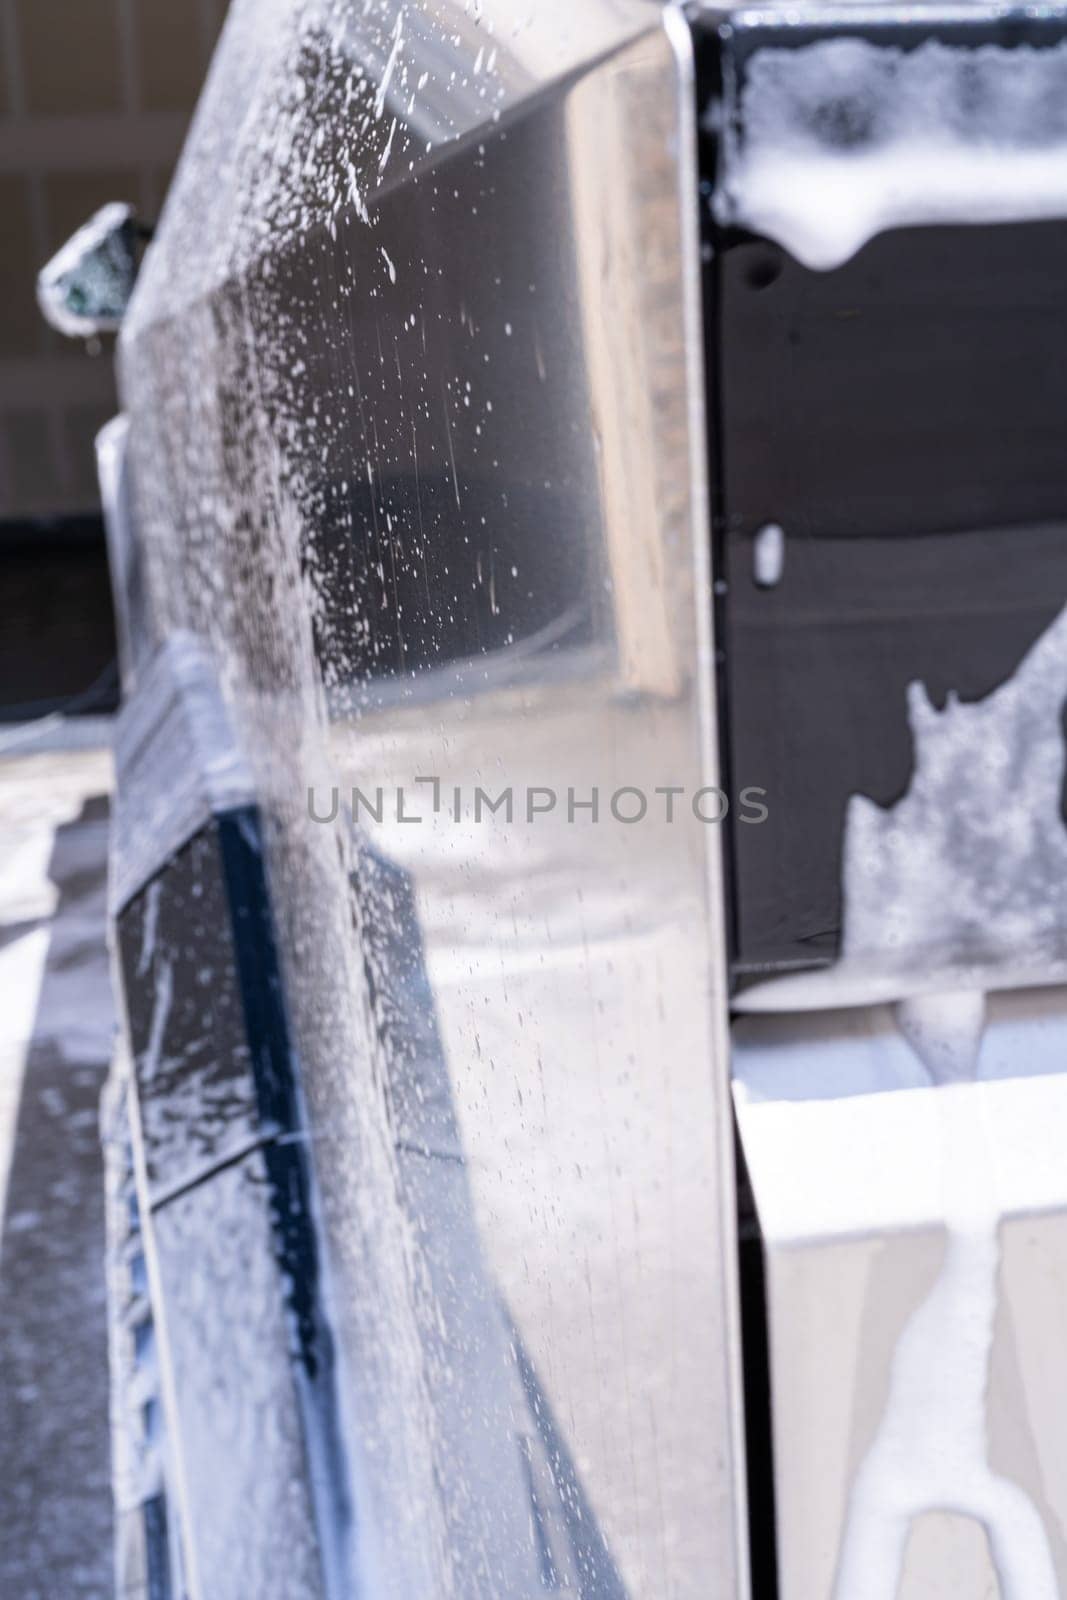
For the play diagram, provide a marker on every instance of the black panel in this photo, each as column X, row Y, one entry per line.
column 902, row 417
column 230, row 1180
column 192, row 1059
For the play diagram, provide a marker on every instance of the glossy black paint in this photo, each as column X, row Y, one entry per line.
column 902, row 418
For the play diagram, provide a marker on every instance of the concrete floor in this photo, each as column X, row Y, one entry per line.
column 56, row 1027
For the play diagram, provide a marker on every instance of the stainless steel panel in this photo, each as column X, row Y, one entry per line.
column 413, row 373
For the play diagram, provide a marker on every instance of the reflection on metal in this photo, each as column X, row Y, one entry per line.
column 85, row 289
column 418, row 446
column 177, row 759
column 123, row 550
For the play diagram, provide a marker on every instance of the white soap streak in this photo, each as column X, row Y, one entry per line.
column 387, row 152
column 844, row 138
column 390, row 67
column 930, row 1452
column 161, row 1004
column 151, row 927
column 355, row 194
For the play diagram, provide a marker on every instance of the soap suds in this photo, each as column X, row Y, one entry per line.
column 833, row 142
column 968, row 871
column 963, row 883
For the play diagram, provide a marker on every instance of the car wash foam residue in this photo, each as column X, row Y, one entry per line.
column 832, row 142
column 975, row 855
column 930, row 1450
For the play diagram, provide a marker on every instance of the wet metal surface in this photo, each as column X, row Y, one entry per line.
column 418, row 451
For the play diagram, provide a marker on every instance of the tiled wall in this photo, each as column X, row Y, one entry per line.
column 94, row 100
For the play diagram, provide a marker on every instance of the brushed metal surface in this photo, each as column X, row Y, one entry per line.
column 414, row 381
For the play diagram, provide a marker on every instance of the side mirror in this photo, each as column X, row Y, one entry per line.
column 85, row 289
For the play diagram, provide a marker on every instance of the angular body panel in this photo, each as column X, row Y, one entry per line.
column 417, row 453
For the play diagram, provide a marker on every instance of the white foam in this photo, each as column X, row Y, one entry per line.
column 959, row 887
column 833, row 142
column 971, row 864
column 963, row 883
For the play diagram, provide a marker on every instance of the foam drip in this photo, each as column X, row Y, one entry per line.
column 930, row 1451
